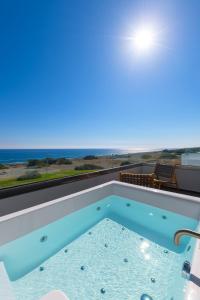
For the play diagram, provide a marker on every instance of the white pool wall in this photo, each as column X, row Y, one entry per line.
column 182, row 204
column 20, row 223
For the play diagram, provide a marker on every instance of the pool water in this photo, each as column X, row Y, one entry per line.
column 116, row 248
column 107, row 262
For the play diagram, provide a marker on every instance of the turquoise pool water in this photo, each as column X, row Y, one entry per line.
column 114, row 249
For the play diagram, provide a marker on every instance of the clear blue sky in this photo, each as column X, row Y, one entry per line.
column 67, row 79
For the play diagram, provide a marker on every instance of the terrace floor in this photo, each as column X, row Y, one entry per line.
column 180, row 191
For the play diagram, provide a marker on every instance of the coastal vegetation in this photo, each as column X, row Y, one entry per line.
column 2, row 167
column 125, row 163
column 90, row 157
column 63, row 161
column 182, row 150
column 48, row 161
column 46, row 176
column 29, row 175
column 88, row 167
column 168, row 155
column 146, row 156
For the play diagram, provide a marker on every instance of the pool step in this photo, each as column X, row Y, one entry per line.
column 6, row 292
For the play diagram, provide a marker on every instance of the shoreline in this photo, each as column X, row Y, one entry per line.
column 120, row 156
column 52, row 167
column 15, row 170
column 62, row 153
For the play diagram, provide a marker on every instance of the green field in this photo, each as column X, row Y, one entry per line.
column 4, row 183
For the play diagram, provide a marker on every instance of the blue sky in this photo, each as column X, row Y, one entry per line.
column 69, row 79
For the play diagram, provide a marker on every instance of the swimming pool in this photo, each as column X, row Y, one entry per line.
column 113, row 248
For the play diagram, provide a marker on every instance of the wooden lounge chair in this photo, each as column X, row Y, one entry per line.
column 163, row 175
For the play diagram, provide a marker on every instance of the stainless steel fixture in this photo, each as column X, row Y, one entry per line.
column 187, row 232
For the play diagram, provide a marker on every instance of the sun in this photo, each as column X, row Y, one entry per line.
column 144, row 39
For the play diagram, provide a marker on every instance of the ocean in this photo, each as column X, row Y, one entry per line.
column 8, row 156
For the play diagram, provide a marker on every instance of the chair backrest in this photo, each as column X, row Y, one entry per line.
column 138, row 179
column 165, row 171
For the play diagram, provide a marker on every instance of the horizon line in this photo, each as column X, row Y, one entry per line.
column 101, row 147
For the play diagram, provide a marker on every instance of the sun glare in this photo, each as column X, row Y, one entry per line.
column 144, row 39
